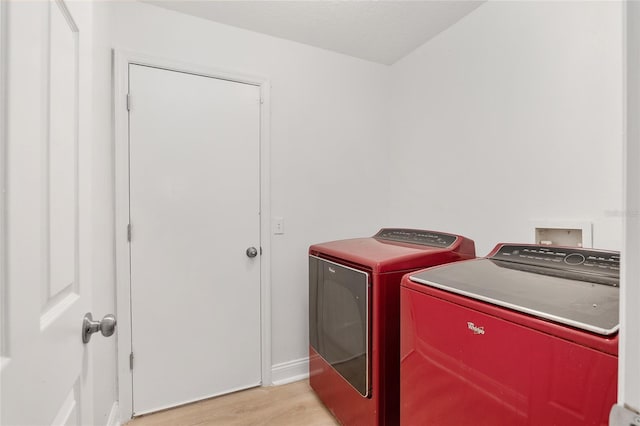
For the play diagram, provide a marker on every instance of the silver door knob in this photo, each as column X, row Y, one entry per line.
column 107, row 326
column 252, row 252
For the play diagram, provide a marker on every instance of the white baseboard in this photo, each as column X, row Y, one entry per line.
column 281, row 374
column 114, row 415
column 290, row 371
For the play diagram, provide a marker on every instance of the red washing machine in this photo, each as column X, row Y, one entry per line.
column 354, row 325
column 526, row 336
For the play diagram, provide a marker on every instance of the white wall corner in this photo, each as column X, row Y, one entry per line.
column 114, row 415
column 290, row 371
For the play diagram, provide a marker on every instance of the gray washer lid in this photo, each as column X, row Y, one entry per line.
column 584, row 305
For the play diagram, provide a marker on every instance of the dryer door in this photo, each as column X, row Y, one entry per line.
column 339, row 319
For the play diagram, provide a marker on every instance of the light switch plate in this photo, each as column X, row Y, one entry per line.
column 278, row 225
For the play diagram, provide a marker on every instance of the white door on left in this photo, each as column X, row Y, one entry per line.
column 45, row 219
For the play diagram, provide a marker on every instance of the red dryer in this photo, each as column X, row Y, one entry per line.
column 354, row 326
column 527, row 336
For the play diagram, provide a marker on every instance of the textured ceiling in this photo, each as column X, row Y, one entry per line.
column 379, row 31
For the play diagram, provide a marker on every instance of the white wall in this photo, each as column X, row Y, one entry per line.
column 513, row 114
column 329, row 178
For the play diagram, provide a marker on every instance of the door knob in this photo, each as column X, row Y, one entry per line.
column 107, row 326
column 252, row 252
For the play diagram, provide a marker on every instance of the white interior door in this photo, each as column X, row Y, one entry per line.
column 46, row 253
column 194, row 211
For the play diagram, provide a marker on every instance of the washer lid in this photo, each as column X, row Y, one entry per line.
column 561, row 295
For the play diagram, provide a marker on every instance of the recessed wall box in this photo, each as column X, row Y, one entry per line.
column 569, row 234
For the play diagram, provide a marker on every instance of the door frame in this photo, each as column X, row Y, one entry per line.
column 121, row 61
column 3, row 183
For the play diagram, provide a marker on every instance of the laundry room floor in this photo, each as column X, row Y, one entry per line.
column 293, row 404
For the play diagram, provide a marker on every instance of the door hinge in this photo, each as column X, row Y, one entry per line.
column 129, row 232
column 128, row 102
column 131, row 361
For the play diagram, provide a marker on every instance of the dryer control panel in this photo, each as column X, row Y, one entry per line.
column 416, row 236
column 592, row 262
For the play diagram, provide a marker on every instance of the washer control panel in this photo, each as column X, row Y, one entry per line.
column 416, row 236
column 598, row 262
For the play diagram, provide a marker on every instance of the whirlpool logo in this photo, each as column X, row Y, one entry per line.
column 476, row 330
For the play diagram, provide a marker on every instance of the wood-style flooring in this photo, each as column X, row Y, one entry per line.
column 293, row 404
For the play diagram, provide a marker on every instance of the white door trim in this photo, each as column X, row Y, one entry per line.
column 4, row 305
column 629, row 352
column 121, row 60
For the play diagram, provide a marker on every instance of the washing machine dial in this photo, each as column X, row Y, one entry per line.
column 574, row 259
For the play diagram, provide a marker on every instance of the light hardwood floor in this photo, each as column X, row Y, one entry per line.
column 293, row 404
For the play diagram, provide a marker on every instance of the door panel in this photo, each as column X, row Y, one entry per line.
column 47, row 256
column 194, row 211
